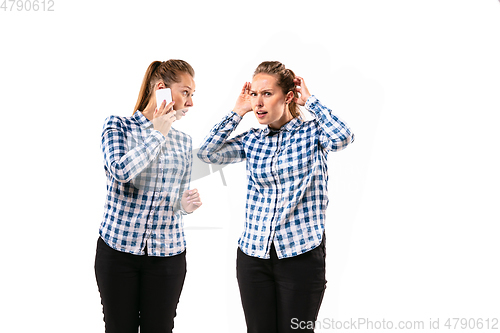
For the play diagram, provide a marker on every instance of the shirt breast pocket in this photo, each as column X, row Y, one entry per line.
column 296, row 160
column 175, row 163
column 261, row 169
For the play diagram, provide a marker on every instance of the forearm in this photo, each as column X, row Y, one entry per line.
column 217, row 147
column 123, row 162
column 336, row 134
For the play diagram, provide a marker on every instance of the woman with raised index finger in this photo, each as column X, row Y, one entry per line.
column 281, row 252
column 140, row 262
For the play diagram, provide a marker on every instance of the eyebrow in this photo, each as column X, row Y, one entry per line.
column 188, row 88
column 263, row 90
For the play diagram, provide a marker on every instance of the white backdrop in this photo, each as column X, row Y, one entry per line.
column 413, row 222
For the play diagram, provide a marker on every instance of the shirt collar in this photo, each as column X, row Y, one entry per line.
column 287, row 127
column 141, row 119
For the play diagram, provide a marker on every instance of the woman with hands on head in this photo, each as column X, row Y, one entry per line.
column 140, row 262
column 281, row 252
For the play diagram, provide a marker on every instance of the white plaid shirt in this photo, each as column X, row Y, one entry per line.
column 146, row 176
column 287, row 178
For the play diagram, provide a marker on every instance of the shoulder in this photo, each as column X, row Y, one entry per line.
column 306, row 125
column 306, row 129
column 114, row 121
column 251, row 136
column 120, row 123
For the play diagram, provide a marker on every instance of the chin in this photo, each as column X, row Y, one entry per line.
column 261, row 121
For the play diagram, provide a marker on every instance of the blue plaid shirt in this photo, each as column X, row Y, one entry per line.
column 146, row 177
column 287, row 178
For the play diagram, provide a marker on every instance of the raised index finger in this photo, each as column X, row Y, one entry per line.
column 246, row 88
column 164, row 109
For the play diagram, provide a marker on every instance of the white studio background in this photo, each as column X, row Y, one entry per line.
column 413, row 223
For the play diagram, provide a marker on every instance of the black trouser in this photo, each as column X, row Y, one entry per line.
column 138, row 290
column 281, row 295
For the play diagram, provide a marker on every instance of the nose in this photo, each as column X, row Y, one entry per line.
column 189, row 101
column 259, row 101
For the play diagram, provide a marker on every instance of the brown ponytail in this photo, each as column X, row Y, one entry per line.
column 284, row 79
column 166, row 71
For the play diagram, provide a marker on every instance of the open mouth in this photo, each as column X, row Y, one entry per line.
column 261, row 113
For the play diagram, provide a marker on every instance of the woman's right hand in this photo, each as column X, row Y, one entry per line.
column 164, row 117
column 243, row 104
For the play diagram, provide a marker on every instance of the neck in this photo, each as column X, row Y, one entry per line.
column 149, row 111
column 287, row 116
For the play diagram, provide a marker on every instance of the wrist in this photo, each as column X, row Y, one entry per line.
column 241, row 113
column 185, row 212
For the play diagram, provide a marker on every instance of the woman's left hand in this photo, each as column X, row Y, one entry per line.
column 191, row 200
column 301, row 88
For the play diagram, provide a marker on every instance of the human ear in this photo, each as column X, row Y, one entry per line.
column 160, row 85
column 289, row 97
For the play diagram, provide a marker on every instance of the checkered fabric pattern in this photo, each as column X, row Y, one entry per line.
column 146, row 177
column 287, row 178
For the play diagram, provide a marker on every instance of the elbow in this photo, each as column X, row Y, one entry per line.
column 201, row 154
column 120, row 177
column 347, row 139
column 343, row 142
column 205, row 156
column 120, row 174
column 350, row 138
